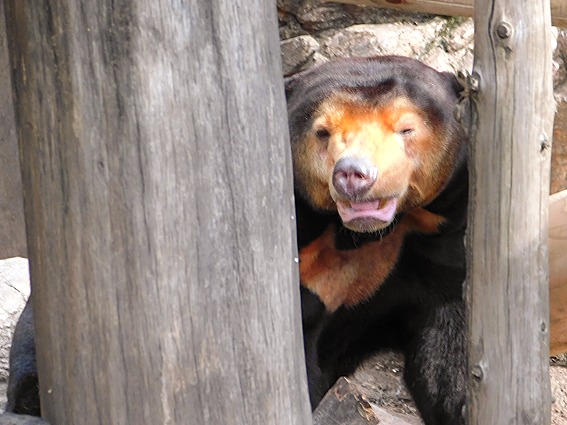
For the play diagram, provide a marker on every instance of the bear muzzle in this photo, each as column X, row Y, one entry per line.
column 353, row 177
column 352, row 181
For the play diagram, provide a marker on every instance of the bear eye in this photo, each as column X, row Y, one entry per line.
column 322, row 134
column 406, row 131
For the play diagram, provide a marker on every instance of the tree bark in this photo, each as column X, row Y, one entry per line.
column 508, row 292
column 159, row 206
column 12, row 228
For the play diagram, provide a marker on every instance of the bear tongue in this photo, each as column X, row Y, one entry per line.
column 382, row 209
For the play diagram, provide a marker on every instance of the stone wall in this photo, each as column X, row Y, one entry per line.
column 312, row 32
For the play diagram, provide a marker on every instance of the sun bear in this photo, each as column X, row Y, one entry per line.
column 381, row 187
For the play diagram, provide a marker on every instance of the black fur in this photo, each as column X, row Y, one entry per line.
column 23, row 388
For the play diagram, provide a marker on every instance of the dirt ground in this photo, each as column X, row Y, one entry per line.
column 382, row 380
column 558, row 374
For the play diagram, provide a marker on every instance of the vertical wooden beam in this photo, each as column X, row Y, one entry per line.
column 160, row 210
column 12, row 230
column 513, row 107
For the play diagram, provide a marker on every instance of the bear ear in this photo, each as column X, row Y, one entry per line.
column 289, row 85
column 292, row 81
column 454, row 82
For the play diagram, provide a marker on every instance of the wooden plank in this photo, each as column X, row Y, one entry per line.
column 12, row 229
column 558, row 272
column 159, row 198
column 450, row 7
column 507, row 289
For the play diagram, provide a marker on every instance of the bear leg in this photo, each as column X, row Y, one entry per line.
column 436, row 365
column 23, row 388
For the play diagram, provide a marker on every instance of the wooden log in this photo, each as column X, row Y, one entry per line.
column 558, row 272
column 450, row 7
column 12, row 229
column 345, row 404
column 507, row 289
column 159, row 203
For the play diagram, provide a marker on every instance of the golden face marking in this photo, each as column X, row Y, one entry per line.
column 406, row 153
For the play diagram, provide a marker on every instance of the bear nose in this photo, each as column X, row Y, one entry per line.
column 353, row 176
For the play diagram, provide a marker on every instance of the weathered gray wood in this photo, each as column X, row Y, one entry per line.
column 160, row 211
column 451, row 7
column 346, row 404
column 12, row 229
column 507, row 287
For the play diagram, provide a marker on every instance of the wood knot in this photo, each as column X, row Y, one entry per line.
column 504, row 30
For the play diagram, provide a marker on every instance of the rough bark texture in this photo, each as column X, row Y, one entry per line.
column 508, row 293
column 159, row 206
column 12, row 229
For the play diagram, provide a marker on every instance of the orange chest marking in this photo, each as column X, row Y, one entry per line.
column 348, row 277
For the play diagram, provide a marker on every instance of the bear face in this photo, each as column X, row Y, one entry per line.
column 370, row 139
column 381, row 185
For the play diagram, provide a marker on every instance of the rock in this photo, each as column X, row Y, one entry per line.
column 316, row 16
column 559, row 149
column 445, row 44
column 297, row 53
column 289, row 6
column 11, row 419
column 381, row 381
column 14, row 291
column 559, row 395
column 451, row 49
column 560, row 66
column 383, row 39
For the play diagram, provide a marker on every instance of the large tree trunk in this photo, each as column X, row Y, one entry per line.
column 160, row 211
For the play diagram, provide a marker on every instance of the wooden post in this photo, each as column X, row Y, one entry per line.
column 159, row 206
column 507, row 292
column 12, row 230
column 450, row 7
